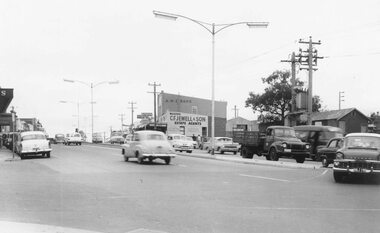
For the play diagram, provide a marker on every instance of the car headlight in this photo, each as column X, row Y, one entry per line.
column 284, row 145
column 339, row 156
column 307, row 146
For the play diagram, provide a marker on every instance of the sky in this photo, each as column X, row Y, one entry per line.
column 43, row 42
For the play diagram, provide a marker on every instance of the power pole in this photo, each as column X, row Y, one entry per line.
column 341, row 96
column 293, row 81
column 122, row 120
column 132, row 111
column 236, row 110
column 309, row 59
column 154, row 93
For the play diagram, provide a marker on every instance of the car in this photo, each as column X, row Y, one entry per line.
column 97, row 138
column 74, row 138
column 359, row 155
column 148, row 144
column 117, row 139
column 194, row 143
column 327, row 153
column 222, row 144
column 59, row 138
column 32, row 143
column 317, row 136
column 180, row 143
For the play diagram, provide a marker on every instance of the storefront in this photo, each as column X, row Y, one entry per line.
column 185, row 123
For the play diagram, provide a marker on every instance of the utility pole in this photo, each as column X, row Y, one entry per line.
column 122, row 120
column 309, row 59
column 236, row 110
column 154, row 93
column 132, row 111
column 293, row 81
column 341, row 96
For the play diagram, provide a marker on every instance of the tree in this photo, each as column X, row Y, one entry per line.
column 275, row 102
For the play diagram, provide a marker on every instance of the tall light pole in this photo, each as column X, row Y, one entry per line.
column 92, row 86
column 77, row 103
column 341, row 96
column 213, row 29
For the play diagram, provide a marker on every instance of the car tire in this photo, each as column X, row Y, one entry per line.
column 235, row 152
column 339, row 177
column 189, row 151
column 122, row 151
column 300, row 159
column 48, row 154
column 273, row 154
column 80, row 143
column 167, row 160
column 222, row 152
column 324, row 162
column 126, row 159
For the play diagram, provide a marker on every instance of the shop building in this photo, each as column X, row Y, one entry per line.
column 193, row 115
column 6, row 96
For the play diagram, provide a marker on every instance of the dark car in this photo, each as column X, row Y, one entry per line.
column 317, row 136
column 327, row 154
column 60, row 138
column 359, row 155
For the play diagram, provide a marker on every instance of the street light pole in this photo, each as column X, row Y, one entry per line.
column 215, row 28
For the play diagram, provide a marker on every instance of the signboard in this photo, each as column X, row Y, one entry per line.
column 185, row 123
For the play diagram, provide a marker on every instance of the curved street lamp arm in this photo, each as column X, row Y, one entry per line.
column 97, row 84
column 224, row 26
column 87, row 84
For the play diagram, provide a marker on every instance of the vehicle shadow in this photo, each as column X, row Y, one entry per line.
column 147, row 163
column 33, row 157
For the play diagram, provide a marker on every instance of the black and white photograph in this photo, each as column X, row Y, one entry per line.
column 164, row 116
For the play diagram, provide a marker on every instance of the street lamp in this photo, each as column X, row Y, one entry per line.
column 92, row 86
column 213, row 29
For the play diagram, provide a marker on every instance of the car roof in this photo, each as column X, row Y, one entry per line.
column 279, row 127
column 145, row 132
column 318, row 127
column 32, row 132
column 363, row 135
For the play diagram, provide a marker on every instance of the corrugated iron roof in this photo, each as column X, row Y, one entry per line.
column 332, row 115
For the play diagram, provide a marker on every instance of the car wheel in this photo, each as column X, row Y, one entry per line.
column 273, row 154
column 167, row 160
column 47, row 154
column 151, row 160
column 222, row 152
column 189, row 151
column 300, row 159
column 126, row 158
column 324, row 162
column 339, row 177
column 80, row 143
column 122, row 151
column 235, row 152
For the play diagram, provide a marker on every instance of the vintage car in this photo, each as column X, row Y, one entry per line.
column 74, row 138
column 59, row 138
column 117, row 139
column 360, row 154
column 327, row 153
column 194, row 143
column 180, row 143
column 222, row 144
column 32, row 143
column 97, row 138
column 148, row 144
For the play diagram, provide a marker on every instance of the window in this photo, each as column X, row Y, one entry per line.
column 33, row 137
column 332, row 144
column 194, row 109
column 157, row 137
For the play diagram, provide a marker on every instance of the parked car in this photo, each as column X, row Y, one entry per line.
column 74, row 138
column 222, row 144
column 117, row 139
column 180, row 143
column 317, row 136
column 148, row 144
column 360, row 154
column 59, row 138
column 327, row 153
column 32, row 143
column 194, row 143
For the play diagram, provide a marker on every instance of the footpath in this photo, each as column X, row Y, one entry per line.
column 6, row 155
column 254, row 161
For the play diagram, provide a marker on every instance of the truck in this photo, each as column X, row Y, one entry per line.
column 274, row 143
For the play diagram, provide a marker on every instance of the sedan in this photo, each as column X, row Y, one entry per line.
column 327, row 154
column 32, row 143
column 148, row 144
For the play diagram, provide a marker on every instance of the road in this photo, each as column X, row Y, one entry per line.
column 91, row 188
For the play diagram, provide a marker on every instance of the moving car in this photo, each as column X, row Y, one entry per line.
column 32, row 143
column 317, row 136
column 180, row 143
column 74, row 138
column 360, row 154
column 327, row 154
column 97, row 138
column 59, row 138
column 148, row 144
column 222, row 144
column 117, row 139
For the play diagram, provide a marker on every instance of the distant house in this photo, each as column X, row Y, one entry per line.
column 240, row 123
column 350, row 120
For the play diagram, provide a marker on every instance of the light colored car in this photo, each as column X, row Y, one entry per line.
column 222, row 144
column 194, row 143
column 32, row 143
column 117, row 139
column 180, row 143
column 74, row 138
column 148, row 144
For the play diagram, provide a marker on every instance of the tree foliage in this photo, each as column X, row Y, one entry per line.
column 275, row 102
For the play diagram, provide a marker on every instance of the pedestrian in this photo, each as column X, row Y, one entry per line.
column 194, row 138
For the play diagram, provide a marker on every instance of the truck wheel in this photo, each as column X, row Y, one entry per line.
column 273, row 154
column 324, row 162
column 300, row 159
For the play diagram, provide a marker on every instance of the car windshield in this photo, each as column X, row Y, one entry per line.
column 156, row 137
column 284, row 133
column 33, row 137
column 363, row 142
column 224, row 140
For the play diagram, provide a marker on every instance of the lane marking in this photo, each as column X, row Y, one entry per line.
column 263, row 177
column 314, row 209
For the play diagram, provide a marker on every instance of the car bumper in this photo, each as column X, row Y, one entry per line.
column 160, row 156
column 294, row 154
column 362, row 167
column 183, row 148
column 229, row 149
column 39, row 151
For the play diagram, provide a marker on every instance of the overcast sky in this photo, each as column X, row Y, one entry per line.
column 43, row 42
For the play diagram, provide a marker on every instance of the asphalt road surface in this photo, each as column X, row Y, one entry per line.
column 91, row 188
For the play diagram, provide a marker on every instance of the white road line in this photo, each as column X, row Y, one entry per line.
column 265, row 178
column 314, row 209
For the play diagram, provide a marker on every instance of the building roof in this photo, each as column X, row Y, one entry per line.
column 333, row 115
